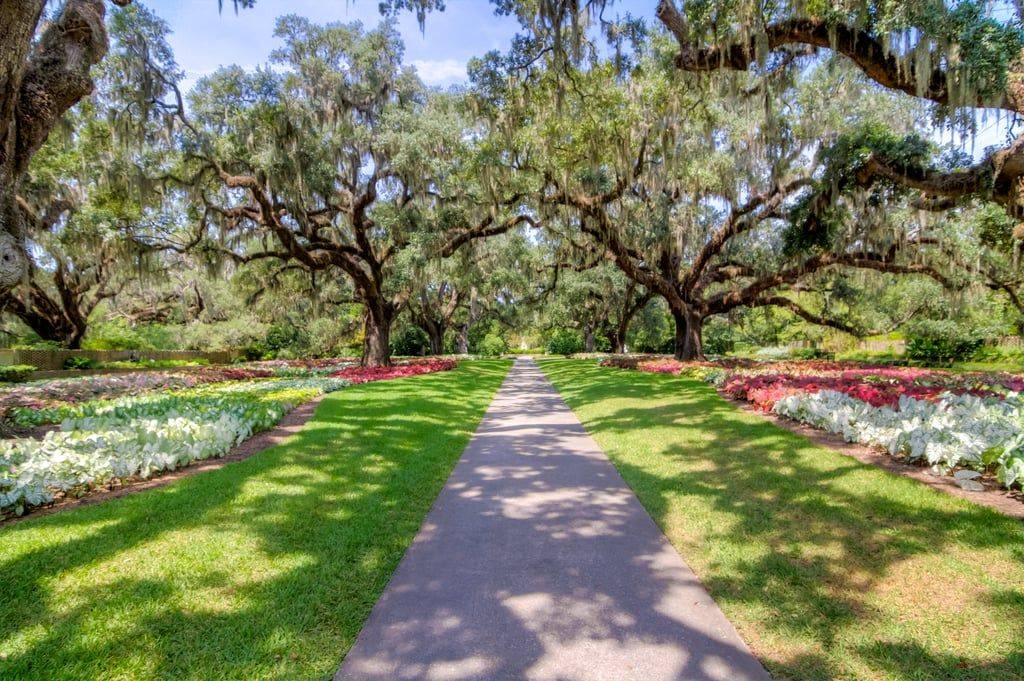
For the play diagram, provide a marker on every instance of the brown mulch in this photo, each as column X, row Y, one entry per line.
column 1007, row 502
column 286, row 427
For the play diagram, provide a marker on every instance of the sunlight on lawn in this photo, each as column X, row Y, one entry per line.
column 828, row 567
column 262, row 569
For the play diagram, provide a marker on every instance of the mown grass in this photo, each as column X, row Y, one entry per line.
column 263, row 569
column 829, row 568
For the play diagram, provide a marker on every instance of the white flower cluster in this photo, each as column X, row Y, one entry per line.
column 956, row 430
column 142, row 436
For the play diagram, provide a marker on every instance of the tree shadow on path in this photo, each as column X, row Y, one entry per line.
column 265, row 568
column 829, row 567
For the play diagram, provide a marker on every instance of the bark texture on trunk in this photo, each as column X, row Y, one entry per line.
column 40, row 79
column 616, row 342
column 13, row 257
column 436, row 336
column 377, row 341
column 688, row 335
column 588, row 339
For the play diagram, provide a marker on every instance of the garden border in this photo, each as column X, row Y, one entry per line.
column 289, row 425
column 1008, row 502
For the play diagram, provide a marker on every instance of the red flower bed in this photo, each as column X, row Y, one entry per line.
column 878, row 388
column 414, row 368
column 765, row 383
column 669, row 365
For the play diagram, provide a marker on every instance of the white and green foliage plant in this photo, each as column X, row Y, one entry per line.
column 139, row 437
column 978, row 433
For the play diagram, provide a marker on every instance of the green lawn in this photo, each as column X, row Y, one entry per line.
column 265, row 568
column 828, row 567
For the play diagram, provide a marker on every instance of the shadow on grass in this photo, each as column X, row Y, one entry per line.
column 265, row 568
column 830, row 568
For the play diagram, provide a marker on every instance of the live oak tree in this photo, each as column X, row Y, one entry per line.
column 594, row 297
column 443, row 288
column 338, row 160
column 960, row 57
column 82, row 194
column 690, row 196
column 43, row 73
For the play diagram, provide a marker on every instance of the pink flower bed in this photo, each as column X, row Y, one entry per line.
column 877, row 389
column 668, row 365
column 358, row 374
column 765, row 383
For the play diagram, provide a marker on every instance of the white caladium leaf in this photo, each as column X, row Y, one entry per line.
column 955, row 430
column 143, row 436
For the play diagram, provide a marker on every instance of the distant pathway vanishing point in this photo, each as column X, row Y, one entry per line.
column 538, row 562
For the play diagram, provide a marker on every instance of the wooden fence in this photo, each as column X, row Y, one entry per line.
column 53, row 360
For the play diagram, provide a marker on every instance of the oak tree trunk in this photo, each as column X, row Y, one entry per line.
column 436, row 336
column 688, row 335
column 588, row 338
column 615, row 342
column 377, row 341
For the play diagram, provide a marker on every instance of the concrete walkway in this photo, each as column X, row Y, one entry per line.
column 538, row 562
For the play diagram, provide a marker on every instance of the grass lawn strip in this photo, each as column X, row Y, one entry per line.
column 828, row 567
column 263, row 569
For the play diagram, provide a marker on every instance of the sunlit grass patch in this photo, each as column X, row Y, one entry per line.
column 828, row 567
column 265, row 568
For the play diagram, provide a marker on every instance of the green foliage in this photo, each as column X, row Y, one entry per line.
column 818, row 216
column 998, row 354
column 330, row 336
column 80, row 363
column 717, row 337
column 493, row 344
column 994, row 227
column 941, row 341
column 15, row 373
column 409, row 340
column 282, row 341
column 565, row 342
column 115, row 334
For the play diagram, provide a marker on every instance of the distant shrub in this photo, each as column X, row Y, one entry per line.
column 717, row 338
column 78, row 363
column 881, row 356
column 409, row 340
column 16, row 373
column 811, row 353
column 773, row 352
column 565, row 342
column 941, row 342
column 492, row 345
column 995, row 353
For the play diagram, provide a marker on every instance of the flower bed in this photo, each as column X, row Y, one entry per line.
column 948, row 420
column 57, row 392
column 139, row 437
column 951, row 431
column 357, row 374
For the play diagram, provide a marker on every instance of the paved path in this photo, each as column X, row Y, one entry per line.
column 538, row 562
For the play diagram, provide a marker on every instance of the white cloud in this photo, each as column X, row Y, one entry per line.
column 440, row 71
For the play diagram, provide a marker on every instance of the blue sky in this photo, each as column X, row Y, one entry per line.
column 204, row 39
